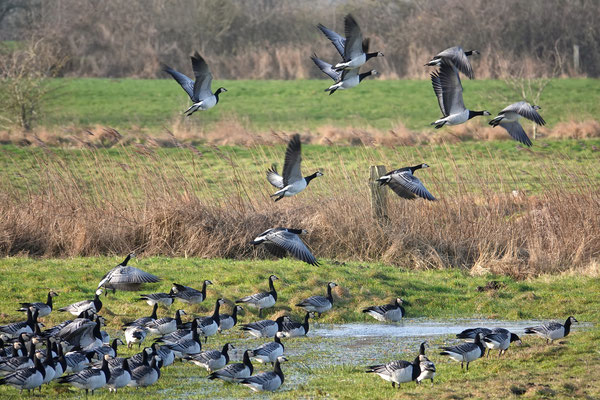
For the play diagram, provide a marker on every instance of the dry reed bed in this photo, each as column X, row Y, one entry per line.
column 172, row 206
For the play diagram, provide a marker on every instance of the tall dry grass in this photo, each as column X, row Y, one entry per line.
column 58, row 203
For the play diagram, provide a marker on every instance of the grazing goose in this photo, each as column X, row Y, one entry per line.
column 393, row 312
column 346, row 79
column 209, row 326
column 500, row 339
column 227, row 321
column 236, row 371
column 264, row 328
column 43, row 308
column 119, row 377
column 165, row 325
column 186, row 347
column 125, row 277
column 279, row 241
column 552, row 331
column 16, row 328
column 291, row 328
column 166, row 299
column 135, row 334
column 449, row 92
column 190, row 295
column 319, row 304
column 291, row 182
column 200, row 91
column 89, row 379
column 509, row 120
column 397, row 372
column 26, row 378
column 94, row 305
column 458, row 57
column 261, row 300
column 472, row 333
column 268, row 352
column 466, row 352
column 353, row 49
column 405, row 184
column 266, row 381
column 426, row 365
column 144, row 320
column 211, row 360
column 146, row 375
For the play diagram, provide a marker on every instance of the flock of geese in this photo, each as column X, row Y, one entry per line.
column 80, row 353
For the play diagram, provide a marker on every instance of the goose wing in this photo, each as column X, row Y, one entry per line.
column 406, row 185
column 315, row 301
column 354, row 38
column 471, row 333
column 259, row 325
column 264, row 380
column 516, row 131
column 293, row 244
column 526, row 110
column 460, row 60
column 206, row 356
column 19, row 377
column 203, row 77
column 121, row 275
column 266, row 349
column 326, row 68
column 336, row 39
column 254, row 298
column 389, row 368
column 186, row 83
column 462, row 348
column 274, row 178
column 448, row 88
column 293, row 158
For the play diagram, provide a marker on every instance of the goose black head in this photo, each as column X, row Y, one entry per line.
column 536, row 107
column 220, row 90
column 273, row 278
column 207, row 282
column 332, row 284
column 515, row 338
column 52, row 293
column 424, row 166
column 572, row 319
column 485, row 112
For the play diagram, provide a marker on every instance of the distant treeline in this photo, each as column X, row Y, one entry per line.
column 273, row 39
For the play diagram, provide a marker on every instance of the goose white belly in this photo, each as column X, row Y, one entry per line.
column 207, row 103
column 426, row 375
column 556, row 334
column 32, row 382
column 225, row 324
column 210, row 329
column 299, row 331
column 402, row 375
column 121, row 381
column 92, row 383
column 318, row 309
column 293, row 188
column 511, row 116
column 457, row 119
column 498, row 345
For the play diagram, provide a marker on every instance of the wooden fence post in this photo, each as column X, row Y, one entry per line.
column 378, row 194
column 576, row 59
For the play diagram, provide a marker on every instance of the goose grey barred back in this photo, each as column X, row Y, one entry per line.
column 264, row 328
column 471, row 333
column 510, row 116
column 43, row 308
column 261, row 300
column 552, row 331
column 449, row 91
column 319, row 304
column 167, row 356
column 227, row 321
column 209, row 326
column 111, row 350
column 397, row 372
column 94, row 305
column 280, row 241
column 458, row 57
column 393, row 312
column 212, row 360
column 165, row 325
column 13, row 330
column 346, row 79
column 119, row 377
column 184, row 332
column 235, row 372
column 200, row 91
column 166, row 299
column 12, row 364
column 27, row 378
column 405, row 184
column 291, row 182
column 268, row 352
column 466, row 352
column 185, row 347
column 89, row 379
column 190, row 295
column 291, row 328
column 77, row 360
column 266, row 381
column 500, row 339
column 125, row 277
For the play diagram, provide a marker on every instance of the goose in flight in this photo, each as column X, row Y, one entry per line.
column 346, row 79
column 405, row 184
column 510, row 116
column 280, row 241
column 457, row 56
column 125, row 277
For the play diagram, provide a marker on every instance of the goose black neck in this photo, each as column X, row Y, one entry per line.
column 475, row 113
column 97, row 303
column 177, row 318
column 422, row 349
column 413, row 169
column 364, row 75
column 277, row 339
column 371, row 55
column 479, row 343
column 295, row 231
column 272, row 289
column 310, row 178
column 105, row 369
column 216, row 312
column 203, row 291
column 329, row 296
column 234, row 315
column 125, row 366
column 114, row 346
column 567, row 326
column 39, row 366
column 126, row 260
column 305, row 324
column 246, row 361
column 216, row 94
column 96, row 332
column 278, row 371
column 225, row 353
column 416, row 365
column 49, row 301
column 154, row 309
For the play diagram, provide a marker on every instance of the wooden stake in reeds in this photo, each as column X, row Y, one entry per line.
column 378, row 194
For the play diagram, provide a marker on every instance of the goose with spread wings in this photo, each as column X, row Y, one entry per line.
column 200, row 90
column 291, row 182
column 345, row 79
column 510, row 116
column 279, row 241
column 126, row 277
column 405, row 184
column 458, row 57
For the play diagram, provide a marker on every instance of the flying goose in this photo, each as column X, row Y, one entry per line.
column 165, row 325
column 125, row 277
column 135, row 334
column 319, row 304
column 552, row 331
column 89, row 379
column 146, row 375
column 509, row 120
column 268, row 352
column 353, row 49
column 393, row 312
column 449, row 92
column 43, row 308
column 291, row 182
column 143, row 320
column 26, row 378
column 190, row 295
column 119, row 377
column 227, row 321
column 291, row 328
column 199, row 91
column 280, row 241
column 458, row 57
column 166, row 299
column 405, row 184
column 94, row 305
column 500, row 339
column 264, row 328
column 212, row 360
column 261, row 300
column 209, row 326
column 346, row 79
column 14, row 329
column 236, row 371
column 465, row 352
column 266, row 381
column 426, row 366
column 397, row 372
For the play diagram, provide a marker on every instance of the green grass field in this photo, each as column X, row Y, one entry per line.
column 563, row 370
column 296, row 105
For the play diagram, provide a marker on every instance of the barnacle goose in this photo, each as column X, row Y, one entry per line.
column 465, row 352
column 43, row 308
column 458, row 57
column 266, row 381
column 319, row 304
column 212, row 360
column 510, row 116
column 279, row 241
column 405, row 184
column 261, row 300
column 393, row 312
column 236, row 371
column 552, row 331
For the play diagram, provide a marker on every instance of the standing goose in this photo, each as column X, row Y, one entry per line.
column 125, row 277
column 426, row 365
column 209, row 326
column 227, row 321
column 552, row 331
column 43, row 308
column 353, row 49
column 280, row 241
column 186, row 347
column 449, row 92
column 261, row 300
column 93, row 306
column 184, row 332
column 500, row 339
column 393, row 312
column 466, row 352
column 292, row 182
column 509, row 120
column 346, row 79
column 111, row 350
column 119, row 377
column 190, row 295
column 397, row 372
column 235, row 372
column 26, row 378
column 268, row 352
column 166, row 299
column 266, row 381
column 291, row 328
column 319, row 304
column 405, row 184
column 264, row 328
column 89, row 379
column 146, row 375
column 165, row 325
column 200, row 91
column 211, row 360
column 12, row 364
column 77, row 360
column 16, row 328
column 458, row 57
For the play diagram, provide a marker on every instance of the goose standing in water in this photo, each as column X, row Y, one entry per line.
column 552, row 331
column 199, row 91
column 405, row 184
column 292, row 182
column 236, row 371
column 319, row 304
column 291, row 328
column 190, row 295
column 510, row 116
column 346, row 79
column 458, row 57
column 466, row 352
column 393, row 312
column 262, row 300
column 449, row 92
column 264, row 328
column 280, row 241
column 125, row 277
column 43, row 308
column 266, row 381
